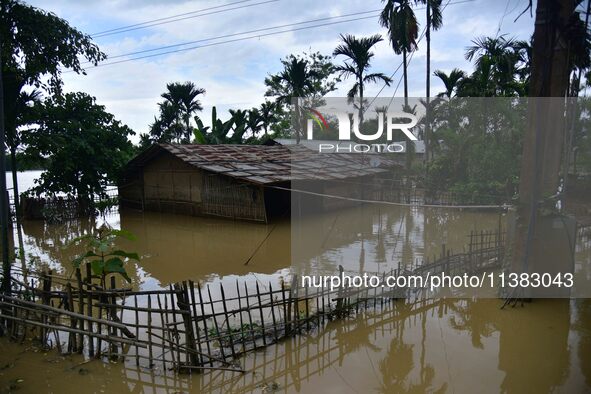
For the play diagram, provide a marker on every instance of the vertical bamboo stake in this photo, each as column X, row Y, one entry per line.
column 173, row 294
column 162, row 331
column 113, row 312
column 227, row 320
column 80, row 309
column 89, row 310
column 323, row 305
column 137, row 330
column 306, row 299
column 99, row 326
column 189, row 334
column 339, row 307
column 284, row 302
column 172, row 333
column 149, row 330
column 273, row 312
column 46, row 297
column 288, row 317
column 215, row 322
column 260, row 306
column 254, row 344
column 202, row 306
column 296, row 309
column 194, row 319
column 70, row 307
column 242, row 339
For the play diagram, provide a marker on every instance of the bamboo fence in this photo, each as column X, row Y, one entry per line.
column 189, row 327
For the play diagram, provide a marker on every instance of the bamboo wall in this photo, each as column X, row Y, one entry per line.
column 168, row 184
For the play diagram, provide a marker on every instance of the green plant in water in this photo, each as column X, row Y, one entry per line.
column 102, row 255
column 104, row 205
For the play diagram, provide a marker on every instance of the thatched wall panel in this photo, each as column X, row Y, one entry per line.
column 171, row 185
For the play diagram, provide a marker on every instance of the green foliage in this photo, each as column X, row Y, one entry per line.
column 303, row 76
column 102, row 255
column 400, row 20
column 450, row 81
column 479, row 149
column 358, row 57
column 233, row 130
column 303, row 82
column 217, row 133
column 84, row 145
column 26, row 163
column 176, row 111
column 36, row 47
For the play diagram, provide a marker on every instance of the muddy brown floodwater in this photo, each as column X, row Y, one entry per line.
column 432, row 346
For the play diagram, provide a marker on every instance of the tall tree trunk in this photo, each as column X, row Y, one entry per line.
column 577, row 89
column 298, row 120
column 6, row 265
column 428, row 84
column 15, row 182
column 188, row 129
column 542, row 142
column 404, row 75
column 360, row 102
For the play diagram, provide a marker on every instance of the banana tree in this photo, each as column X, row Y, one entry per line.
column 216, row 134
column 240, row 125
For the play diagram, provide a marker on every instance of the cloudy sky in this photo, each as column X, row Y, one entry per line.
column 233, row 73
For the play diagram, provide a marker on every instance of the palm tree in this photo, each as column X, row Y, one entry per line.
column 451, row 81
column 254, row 121
column 297, row 78
column 304, row 80
column 358, row 51
column 403, row 30
column 496, row 62
column 167, row 127
column 268, row 114
column 183, row 97
column 434, row 20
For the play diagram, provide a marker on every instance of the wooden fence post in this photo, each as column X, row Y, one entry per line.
column 183, row 305
column 89, row 310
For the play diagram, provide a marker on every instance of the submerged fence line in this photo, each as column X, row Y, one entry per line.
column 190, row 327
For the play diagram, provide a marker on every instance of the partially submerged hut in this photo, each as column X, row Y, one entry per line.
column 249, row 182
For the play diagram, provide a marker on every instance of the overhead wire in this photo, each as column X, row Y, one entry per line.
column 244, row 38
column 237, row 34
column 179, row 17
column 224, row 42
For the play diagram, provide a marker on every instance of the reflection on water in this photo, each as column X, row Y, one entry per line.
column 177, row 247
column 439, row 346
column 376, row 239
column 172, row 247
column 433, row 346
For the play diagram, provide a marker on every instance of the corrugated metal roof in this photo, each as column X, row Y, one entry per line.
column 264, row 164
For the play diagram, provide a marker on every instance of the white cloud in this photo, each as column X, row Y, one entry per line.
column 233, row 73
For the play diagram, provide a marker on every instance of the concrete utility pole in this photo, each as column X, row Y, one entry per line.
column 544, row 136
column 3, row 194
